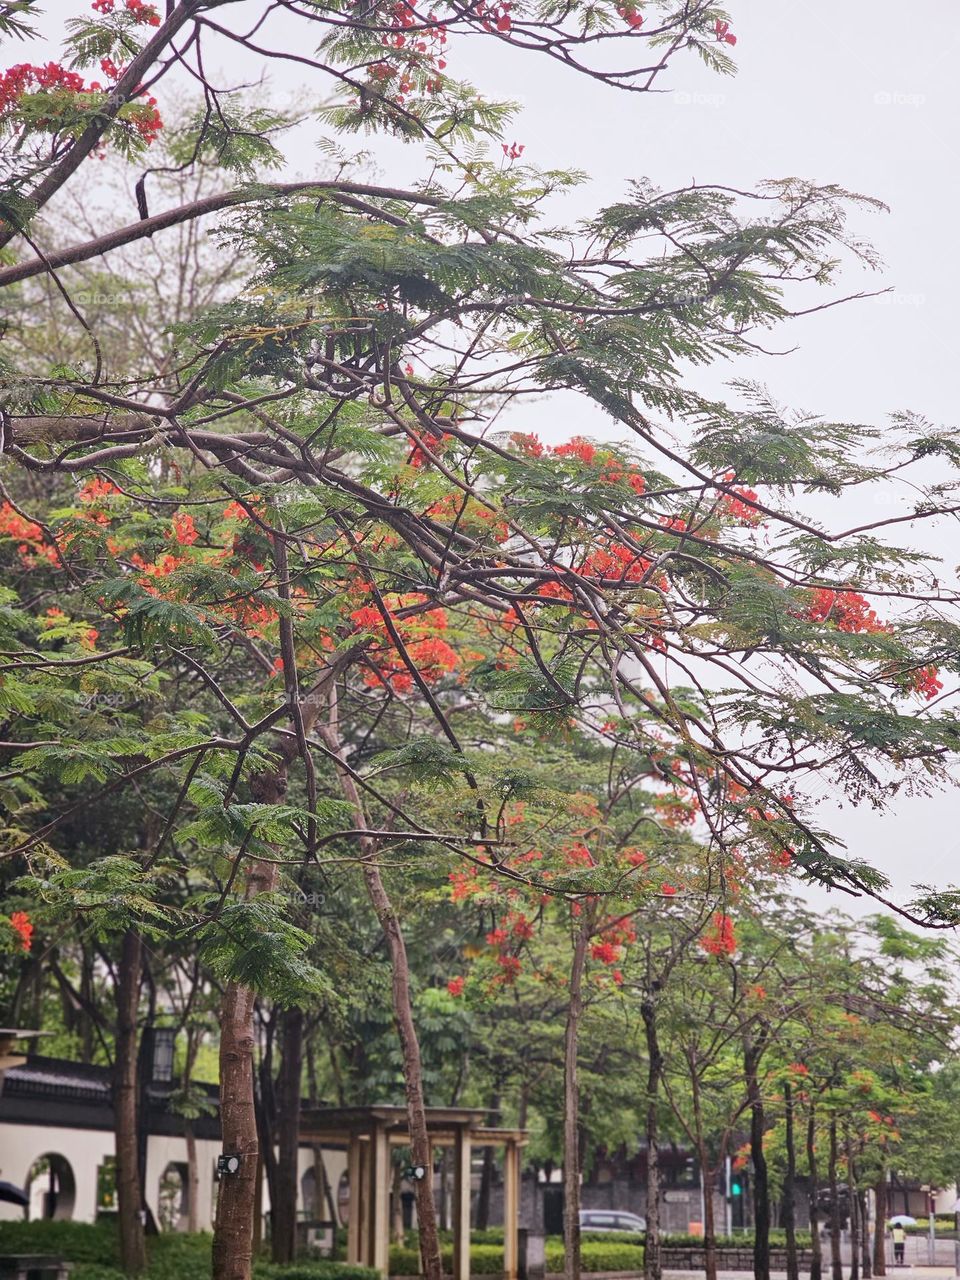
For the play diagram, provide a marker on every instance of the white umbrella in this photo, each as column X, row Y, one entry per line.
column 903, row 1220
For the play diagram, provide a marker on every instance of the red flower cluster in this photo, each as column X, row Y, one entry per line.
column 846, row 610
column 20, row 923
column 182, row 529
column 528, row 443
column 455, row 986
column 576, row 448
column 26, row 78
column 422, row 41
column 605, row 952
column 514, row 151
column 431, row 655
column 28, row 537
column 722, row 32
column 494, row 17
column 630, row 15
column 926, row 682
column 141, row 12
column 720, row 938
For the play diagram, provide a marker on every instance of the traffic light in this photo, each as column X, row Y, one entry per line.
column 736, row 1187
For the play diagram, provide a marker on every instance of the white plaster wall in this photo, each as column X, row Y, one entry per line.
column 163, row 1150
column 21, row 1145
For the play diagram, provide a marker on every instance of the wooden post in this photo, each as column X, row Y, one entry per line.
column 511, row 1209
column 353, row 1179
column 461, row 1203
column 363, row 1200
column 379, row 1201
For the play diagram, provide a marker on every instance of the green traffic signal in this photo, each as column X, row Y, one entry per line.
column 736, row 1189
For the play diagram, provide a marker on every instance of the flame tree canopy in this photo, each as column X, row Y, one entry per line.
column 311, row 515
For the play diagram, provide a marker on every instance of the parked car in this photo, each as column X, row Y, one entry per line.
column 612, row 1220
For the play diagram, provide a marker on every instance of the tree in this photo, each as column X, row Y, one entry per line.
column 305, row 502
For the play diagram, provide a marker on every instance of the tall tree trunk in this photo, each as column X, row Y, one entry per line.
column 193, row 1177
column 708, row 1176
column 237, row 1201
column 790, row 1185
column 761, row 1183
column 836, row 1262
column 880, row 1226
column 866, row 1261
column 265, row 1105
column 489, row 1165
column 402, row 1009
column 444, row 1191
column 816, row 1246
column 284, row 1240
column 652, row 1261
column 853, row 1199
column 133, row 1249
column 571, row 1102
column 233, row 1230
column 483, row 1194
column 397, row 1234
column 87, row 994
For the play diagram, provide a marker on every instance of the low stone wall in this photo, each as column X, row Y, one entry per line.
column 692, row 1258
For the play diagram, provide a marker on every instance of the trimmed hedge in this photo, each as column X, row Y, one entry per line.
column 322, row 1269
column 172, row 1256
column 596, row 1256
column 485, row 1259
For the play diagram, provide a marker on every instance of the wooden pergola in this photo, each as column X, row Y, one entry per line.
column 368, row 1133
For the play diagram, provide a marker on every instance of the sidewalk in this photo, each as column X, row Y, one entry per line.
column 922, row 1273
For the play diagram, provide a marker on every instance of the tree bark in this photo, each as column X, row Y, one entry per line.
column 761, row 1183
column 836, row 1262
column 397, row 1235
column 880, row 1226
column 708, row 1177
column 571, row 1104
column 265, row 1103
column 284, row 1241
column 133, row 1249
column 193, row 1177
column 853, row 1199
column 236, row 1204
column 866, row 1261
column 816, row 1247
column 402, row 1010
column 652, row 1261
column 790, row 1185
column 483, row 1194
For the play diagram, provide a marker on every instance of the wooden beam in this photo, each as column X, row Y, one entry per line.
column 380, row 1201
column 353, row 1180
column 511, row 1210
column 461, row 1204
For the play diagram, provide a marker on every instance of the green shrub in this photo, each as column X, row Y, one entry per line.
column 598, row 1255
column 91, row 1271
column 611, row 1237
column 75, row 1241
column 485, row 1259
column 319, row 1270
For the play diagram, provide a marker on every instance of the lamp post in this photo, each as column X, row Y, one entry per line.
column 932, row 1233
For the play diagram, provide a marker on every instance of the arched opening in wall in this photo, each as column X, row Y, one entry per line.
column 308, row 1194
column 52, row 1188
column 173, row 1197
